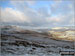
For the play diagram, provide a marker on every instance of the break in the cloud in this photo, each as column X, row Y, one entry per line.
column 56, row 13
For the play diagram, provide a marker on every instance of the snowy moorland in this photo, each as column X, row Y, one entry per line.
column 16, row 41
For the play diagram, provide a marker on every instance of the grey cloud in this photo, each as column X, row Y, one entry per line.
column 32, row 15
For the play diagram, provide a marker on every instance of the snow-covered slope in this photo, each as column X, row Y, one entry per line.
column 30, row 43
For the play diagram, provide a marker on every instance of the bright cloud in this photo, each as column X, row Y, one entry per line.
column 31, row 2
column 54, row 19
column 58, row 13
column 11, row 15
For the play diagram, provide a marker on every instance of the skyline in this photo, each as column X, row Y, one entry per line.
column 38, row 13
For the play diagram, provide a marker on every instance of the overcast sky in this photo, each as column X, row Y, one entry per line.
column 48, row 13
